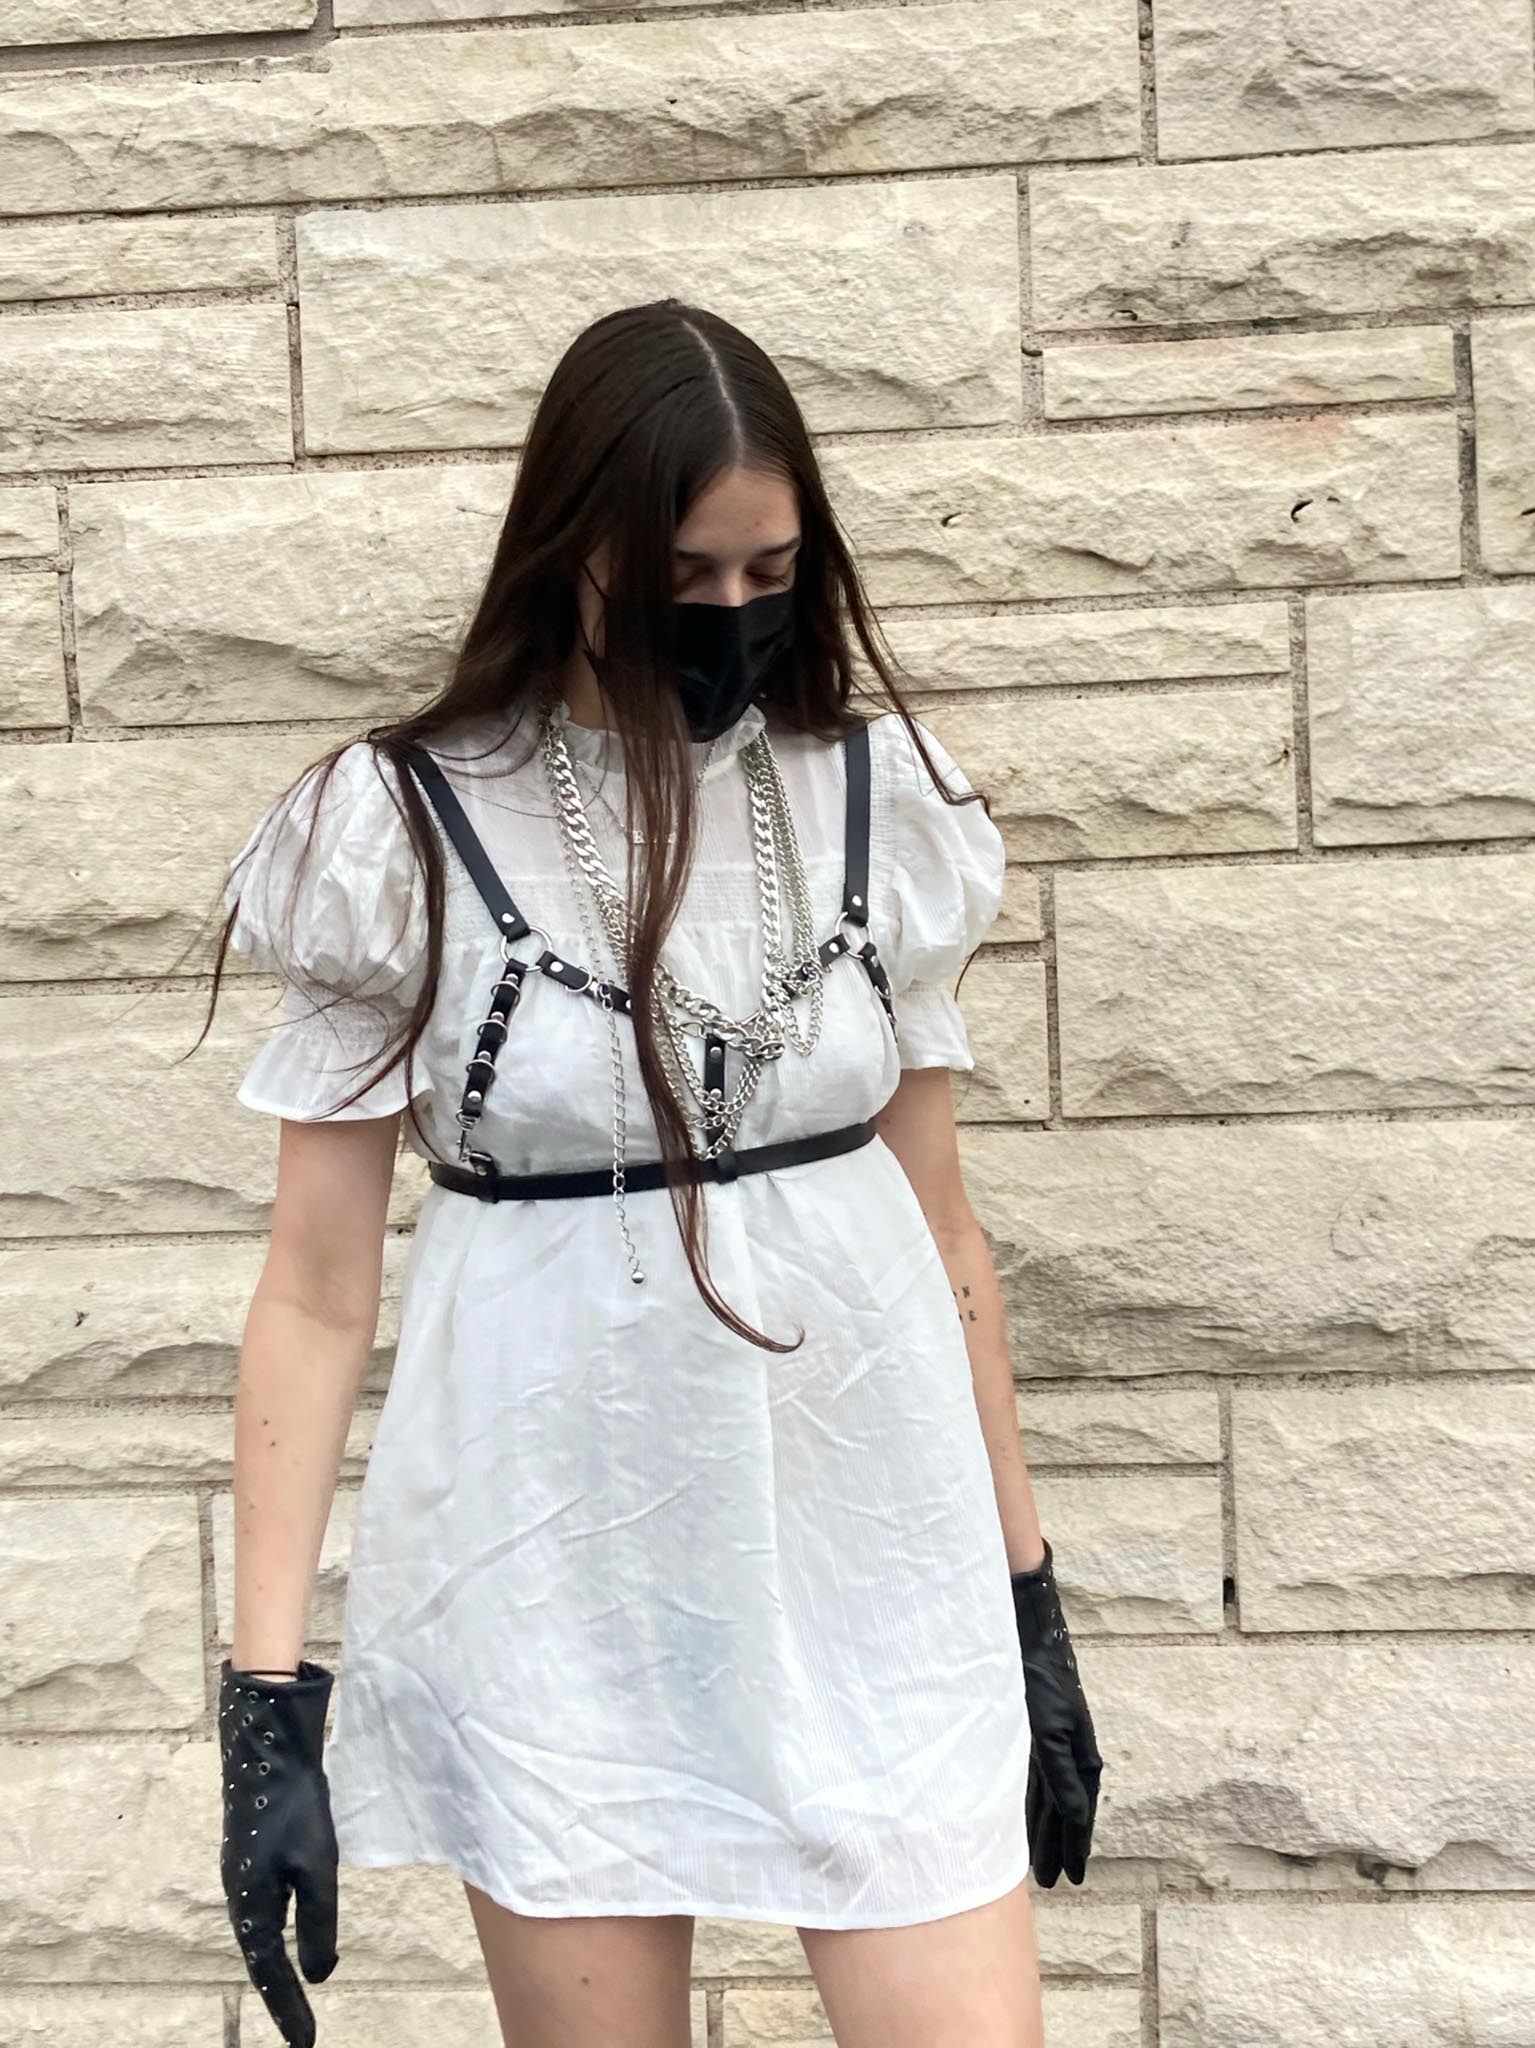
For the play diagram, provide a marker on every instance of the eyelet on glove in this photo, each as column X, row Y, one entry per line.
column 1061, row 1802
column 278, row 1843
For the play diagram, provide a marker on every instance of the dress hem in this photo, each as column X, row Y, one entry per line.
column 584, row 1909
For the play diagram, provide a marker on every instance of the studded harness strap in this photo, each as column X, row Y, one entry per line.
column 479, row 1175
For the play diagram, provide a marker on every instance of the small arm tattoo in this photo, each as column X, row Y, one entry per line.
column 962, row 1303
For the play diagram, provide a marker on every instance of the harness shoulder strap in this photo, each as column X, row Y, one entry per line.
column 482, row 869
column 855, row 880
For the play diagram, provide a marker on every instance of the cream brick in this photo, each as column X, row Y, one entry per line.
column 1326, row 1766
column 42, row 2017
column 215, row 598
column 1176, row 772
column 99, row 21
column 328, row 1601
column 1118, row 1425
column 1503, row 374
column 1393, row 232
column 392, row 2018
column 103, row 1606
column 1003, row 1002
column 436, row 326
column 31, row 652
column 1020, row 919
column 1288, row 1246
column 1385, row 1507
column 1145, row 509
column 90, row 259
column 1336, row 368
column 1128, row 644
column 1421, row 714
column 29, row 521
column 1135, row 1555
column 139, row 1447
column 169, row 1148
column 102, row 1321
column 1314, row 74
column 119, row 851
column 832, row 92
column 1373, row 985
column 1440, row 1973
column 389, row 13
column 155, row 385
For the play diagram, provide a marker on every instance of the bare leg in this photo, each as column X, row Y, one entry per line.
column 577, row 1981
column 968, row 1980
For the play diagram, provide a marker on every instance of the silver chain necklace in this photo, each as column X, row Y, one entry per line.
column 761, row 1036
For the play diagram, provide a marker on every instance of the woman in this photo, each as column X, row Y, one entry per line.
column 694, row 1554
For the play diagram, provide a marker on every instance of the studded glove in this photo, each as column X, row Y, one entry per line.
column 278, row 1838
column 1064, row 1765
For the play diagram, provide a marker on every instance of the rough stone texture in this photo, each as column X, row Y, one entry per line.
column 1179, row 772
column 1392, row 984
column 93, row 1321
column 1338, row 368
column 1501, row 363
column 793, row 2016
column 889, row 306
column 1391, row 1507
column 46, row 2018
column 29, row 521
column 97, row 21
column 1020, row 917
column 31, row 652
column 152, row 386
column 148, row 1106
column 215, row 598
column 826, row 93
column 1441, row 1973
column 388, row 13
column 1315, row 1766
column 1003, row 1002
column 1401, row 231
column 103, row 1607
column 403, row 2018
column 1309, row 74
column 1273, row 1247
column 1422, row 718
column 119, row 850
column 1330, row 499
column 1118, row 1426
column 151, row 1446
column 91, row 259
column 1135, row 1555
column 1014, row 650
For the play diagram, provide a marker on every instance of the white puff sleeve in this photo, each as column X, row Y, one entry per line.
column 344, row 925
column 944, row 866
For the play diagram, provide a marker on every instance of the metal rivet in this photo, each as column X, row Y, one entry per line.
column 260, row 1800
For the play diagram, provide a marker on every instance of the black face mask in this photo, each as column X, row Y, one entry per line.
column 724, row 655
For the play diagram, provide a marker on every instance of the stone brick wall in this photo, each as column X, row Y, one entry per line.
column 1175, row 377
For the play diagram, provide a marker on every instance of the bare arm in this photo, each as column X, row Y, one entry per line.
column 308, row 1337
column 918, row 1125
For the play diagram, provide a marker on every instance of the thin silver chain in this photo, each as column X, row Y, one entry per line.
column 788, row 972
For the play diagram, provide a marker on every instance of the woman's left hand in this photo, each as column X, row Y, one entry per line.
column 1061, row 1803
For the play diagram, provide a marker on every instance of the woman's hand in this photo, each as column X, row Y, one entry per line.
column 1061, row 1803
column 278, row 1838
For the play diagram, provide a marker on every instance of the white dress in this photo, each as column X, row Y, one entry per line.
column 642, row 1618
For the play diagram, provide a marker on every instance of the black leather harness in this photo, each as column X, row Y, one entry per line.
column 478, row 1175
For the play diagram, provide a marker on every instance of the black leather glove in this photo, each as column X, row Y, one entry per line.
column 1064, row 1765
column 278, row 1838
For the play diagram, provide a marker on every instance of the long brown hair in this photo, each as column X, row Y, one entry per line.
column 647, row 407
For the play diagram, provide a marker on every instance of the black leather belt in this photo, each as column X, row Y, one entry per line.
column 651, row 1173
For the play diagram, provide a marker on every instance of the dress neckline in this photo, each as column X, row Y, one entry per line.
column 602, row 747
